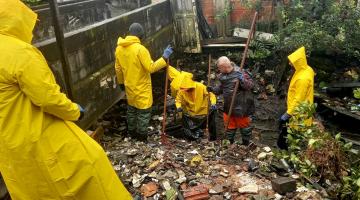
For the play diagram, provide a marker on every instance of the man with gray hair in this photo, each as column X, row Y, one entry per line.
column 134, row 67
column 244, row 105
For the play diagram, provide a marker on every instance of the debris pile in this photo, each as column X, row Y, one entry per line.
column 194, row 170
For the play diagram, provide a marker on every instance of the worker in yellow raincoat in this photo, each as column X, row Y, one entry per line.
column 43, row 154
column 133, row 67
column 193, row 100
column 176, row 78
column 301, row 89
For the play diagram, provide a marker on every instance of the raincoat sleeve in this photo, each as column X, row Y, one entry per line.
column 212, row 98
column 173, row 72
column 178, row 99
column 119, row 73
column 301, row 89
column 148, row 64
column 38, row 83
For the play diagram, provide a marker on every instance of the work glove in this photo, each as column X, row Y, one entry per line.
column 285, row 117
column 179, row 110
column 213, row 107
column 167, row 52
column 210, row 89
column 82, row 111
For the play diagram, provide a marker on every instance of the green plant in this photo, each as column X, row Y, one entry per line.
column 357, row 93
column 227, row 10
column 318, row 154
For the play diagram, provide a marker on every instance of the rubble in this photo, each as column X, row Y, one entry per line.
column 283, row 185
column 192, row 169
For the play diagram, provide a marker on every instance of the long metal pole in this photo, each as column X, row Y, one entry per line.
column 163, row 134
column 241, row 67
column 60, row 41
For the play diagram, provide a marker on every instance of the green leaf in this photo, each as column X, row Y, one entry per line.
column 312, row 142
column 338, row 137
column 358, row 182
column 348, row 145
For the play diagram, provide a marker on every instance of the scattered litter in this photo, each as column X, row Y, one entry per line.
column 249, row 189
column 149, row 189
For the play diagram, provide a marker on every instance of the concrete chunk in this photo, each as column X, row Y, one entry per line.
column 283, row 185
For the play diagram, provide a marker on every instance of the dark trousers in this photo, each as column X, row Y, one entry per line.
column 282, row 139
column 193, row 126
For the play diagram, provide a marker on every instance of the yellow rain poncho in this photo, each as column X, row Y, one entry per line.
column 193, row 97
column 176, row 78
column 301, row 87
column 43, row 155
column 133, row 67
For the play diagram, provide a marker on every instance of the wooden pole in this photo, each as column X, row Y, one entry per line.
column 163, row 134
column 241, row 67
column 208, row 99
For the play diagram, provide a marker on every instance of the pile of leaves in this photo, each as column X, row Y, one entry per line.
column 319, row 155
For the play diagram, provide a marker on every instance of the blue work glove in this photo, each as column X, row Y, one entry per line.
column 213, row 107
column 179, row 110
column 82, row 111
column 285, row 117
column 167, row 52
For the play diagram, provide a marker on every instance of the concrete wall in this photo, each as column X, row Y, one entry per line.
column 91, row 55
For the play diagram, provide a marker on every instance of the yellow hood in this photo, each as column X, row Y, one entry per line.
column 298, row 59
column 129, row 40
column 17, row 20
column 187, row 81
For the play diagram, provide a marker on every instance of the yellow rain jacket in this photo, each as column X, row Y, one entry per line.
column 133, row 67
column 43, row 155
column 193, row 97
column 302, row 83
column 176, row 78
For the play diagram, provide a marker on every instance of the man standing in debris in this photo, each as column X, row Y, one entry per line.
column 301, row 89
column 43, row 154
column 133, row 68
column 244, row 100
column 193, row 99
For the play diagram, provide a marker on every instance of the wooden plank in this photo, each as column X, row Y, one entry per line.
column 223, row 40
column 344, row 112
column 223, row 45
column 187, row 33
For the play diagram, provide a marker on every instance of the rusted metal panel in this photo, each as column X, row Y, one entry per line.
column 187, row 34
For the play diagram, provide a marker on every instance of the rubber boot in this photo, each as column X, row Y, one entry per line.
column 246, row 135
column 231, row 135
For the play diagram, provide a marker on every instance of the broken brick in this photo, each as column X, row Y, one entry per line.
column 198, row 192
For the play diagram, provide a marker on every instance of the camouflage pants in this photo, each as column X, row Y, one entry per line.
column 138, row 120
column 246, row 134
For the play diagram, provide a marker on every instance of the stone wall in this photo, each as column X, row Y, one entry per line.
column 91, row 55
